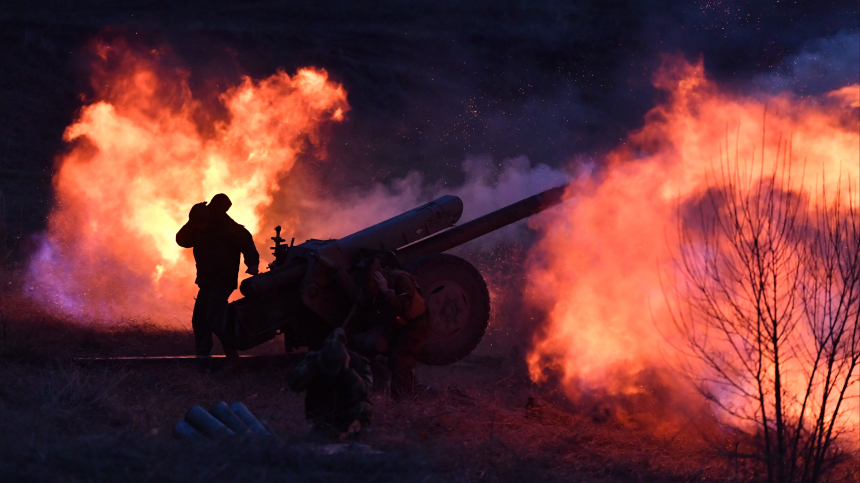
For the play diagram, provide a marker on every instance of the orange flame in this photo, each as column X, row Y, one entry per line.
column 597, row 269
column 139, row 161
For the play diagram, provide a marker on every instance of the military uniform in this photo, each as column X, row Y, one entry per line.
column 395, row 323
column 216, row 252
column 334, row 402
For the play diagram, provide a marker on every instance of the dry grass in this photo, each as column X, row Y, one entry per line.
column 63, row 421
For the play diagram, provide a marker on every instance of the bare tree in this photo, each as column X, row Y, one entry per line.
column 769, row 306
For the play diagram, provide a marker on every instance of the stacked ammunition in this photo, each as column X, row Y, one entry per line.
column 220, row 421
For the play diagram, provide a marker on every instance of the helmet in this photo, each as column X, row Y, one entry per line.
column 332, row 357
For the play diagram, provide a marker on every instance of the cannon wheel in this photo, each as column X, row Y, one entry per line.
column 459, row 305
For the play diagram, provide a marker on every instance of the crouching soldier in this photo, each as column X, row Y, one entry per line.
column 338, row 384
column 395, row 321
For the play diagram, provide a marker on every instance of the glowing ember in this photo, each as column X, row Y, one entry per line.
column 597, row 270
column 139, row 161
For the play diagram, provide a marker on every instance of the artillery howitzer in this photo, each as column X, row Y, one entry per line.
column 300, row 298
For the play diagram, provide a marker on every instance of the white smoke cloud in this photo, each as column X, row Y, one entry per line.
column 823, row 65
column 489, row 185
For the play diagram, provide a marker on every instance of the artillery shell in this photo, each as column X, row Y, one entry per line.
column 183, row 430
column 249, row 419
column 226, row 415
column 206, row 423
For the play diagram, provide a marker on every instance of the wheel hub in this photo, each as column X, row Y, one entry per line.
column 449, row 306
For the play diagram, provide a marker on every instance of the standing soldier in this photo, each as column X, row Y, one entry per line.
column 394, row 320
column 217, row 241
column 338, row 383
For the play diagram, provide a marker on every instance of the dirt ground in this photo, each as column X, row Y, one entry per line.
column 480, row 419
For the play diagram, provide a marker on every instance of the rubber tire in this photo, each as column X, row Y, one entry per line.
column 460, row 311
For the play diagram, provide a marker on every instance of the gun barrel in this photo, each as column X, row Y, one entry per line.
column 478, row 227
column 406, row 228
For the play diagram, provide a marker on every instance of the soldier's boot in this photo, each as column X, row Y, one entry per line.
column 230, row 352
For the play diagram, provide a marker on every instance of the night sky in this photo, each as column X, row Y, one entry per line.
column 431, row 84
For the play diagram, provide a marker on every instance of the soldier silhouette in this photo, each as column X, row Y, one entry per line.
column 217, row 242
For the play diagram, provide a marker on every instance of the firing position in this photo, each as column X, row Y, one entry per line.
column 391, row 319
column 338, row 384
column 217, row 242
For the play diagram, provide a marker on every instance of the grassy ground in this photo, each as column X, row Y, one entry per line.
column 478, row 420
